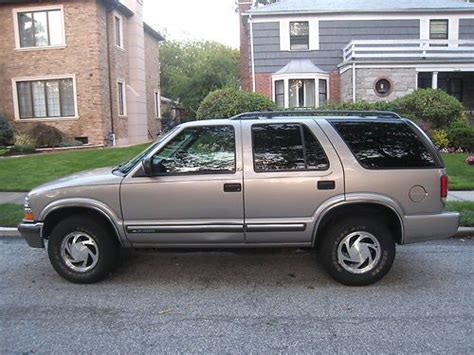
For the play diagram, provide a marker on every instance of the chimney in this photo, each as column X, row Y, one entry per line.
column 245, row 76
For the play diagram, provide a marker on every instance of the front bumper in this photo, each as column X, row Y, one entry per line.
column 421, row 228
column 32, row 234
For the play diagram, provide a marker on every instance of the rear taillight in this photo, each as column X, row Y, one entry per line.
column 444, row 187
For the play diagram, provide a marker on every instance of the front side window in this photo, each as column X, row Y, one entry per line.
column 385, row 145
column 198, row 150
column 121, row 93
column 299, row 35
column 439, row 29
column 46, row 98
column 118, row 31
column 286, row 147
column 302, row 93
column 40, row 28
column 280, row 93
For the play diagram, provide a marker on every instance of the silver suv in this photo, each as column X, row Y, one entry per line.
column 352, row 185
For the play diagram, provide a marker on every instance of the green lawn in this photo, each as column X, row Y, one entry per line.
column 461, row 175
column 466, row 208
column 10, row 214
column 24, row 173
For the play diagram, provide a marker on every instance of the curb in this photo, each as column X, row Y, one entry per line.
column 462, row 232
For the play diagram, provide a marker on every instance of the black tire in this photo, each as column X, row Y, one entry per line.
column 103, row 245
column 337, row 234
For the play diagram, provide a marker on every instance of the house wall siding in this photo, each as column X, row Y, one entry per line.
column 466, row 29
column 333, row 37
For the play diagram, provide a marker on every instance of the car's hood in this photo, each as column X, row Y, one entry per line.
column 101, row 176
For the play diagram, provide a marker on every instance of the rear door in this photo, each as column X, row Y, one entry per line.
column 290, row 169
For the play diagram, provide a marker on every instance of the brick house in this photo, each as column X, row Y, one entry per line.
column 302, row 53
column 87, row 67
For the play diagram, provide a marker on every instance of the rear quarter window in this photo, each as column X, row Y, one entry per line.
column 386, row 145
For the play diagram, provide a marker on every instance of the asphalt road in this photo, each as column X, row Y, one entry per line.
column 244, row 301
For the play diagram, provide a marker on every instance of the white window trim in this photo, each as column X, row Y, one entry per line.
column 16, row 106
column 313, row 44
column 286, row 79
column 16, row 29
column 157, row 103
column 121, row 46
column 453, row 29
column 124, row 96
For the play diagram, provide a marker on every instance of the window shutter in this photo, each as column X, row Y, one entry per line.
column 313, row 35
column 284, row 35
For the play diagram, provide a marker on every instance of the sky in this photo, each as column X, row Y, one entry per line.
column 214, row 20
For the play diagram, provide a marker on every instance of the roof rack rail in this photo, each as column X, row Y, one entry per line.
column 342, row 113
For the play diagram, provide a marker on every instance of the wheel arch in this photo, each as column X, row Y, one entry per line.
column 58, row 210
column 380, row 209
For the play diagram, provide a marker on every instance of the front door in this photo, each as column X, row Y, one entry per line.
column 195, row 194
column 290, row 170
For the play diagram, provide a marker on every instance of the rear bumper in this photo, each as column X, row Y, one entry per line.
column 32, row 234
column 420, row 228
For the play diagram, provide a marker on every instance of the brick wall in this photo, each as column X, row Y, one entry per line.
column 263, row 84
column 83, row 56
column 245, row 75
column 334, row 86
column 152, row 68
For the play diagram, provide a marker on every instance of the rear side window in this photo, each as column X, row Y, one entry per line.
column 286, row 147
column 385, row 145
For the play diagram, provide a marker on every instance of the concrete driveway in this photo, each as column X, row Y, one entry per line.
column 244, row 301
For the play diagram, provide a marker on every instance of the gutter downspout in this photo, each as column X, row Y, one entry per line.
column 252, row 58
column 111, row 135
column 353, row 82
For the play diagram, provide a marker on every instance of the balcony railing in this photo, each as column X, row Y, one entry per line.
column 408, row 49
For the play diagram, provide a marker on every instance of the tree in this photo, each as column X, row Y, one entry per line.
column 264, row 2
column 190, row 70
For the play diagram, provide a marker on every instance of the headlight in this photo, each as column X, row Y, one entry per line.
column 28, row 213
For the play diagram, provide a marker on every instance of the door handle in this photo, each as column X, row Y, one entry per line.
column 326, row 185
column 232, row 187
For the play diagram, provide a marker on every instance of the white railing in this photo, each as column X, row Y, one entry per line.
column 408, row 49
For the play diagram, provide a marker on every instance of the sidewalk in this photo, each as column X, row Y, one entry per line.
column 18, row 197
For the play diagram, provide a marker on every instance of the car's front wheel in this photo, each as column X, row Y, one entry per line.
column 357, row 251
column 82, row 250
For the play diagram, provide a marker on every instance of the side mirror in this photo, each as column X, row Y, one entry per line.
column 147, row 168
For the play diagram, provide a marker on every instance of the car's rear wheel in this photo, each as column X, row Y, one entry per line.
column 82, row 250
column 357, row 251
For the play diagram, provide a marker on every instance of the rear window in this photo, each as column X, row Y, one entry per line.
column 385, row 145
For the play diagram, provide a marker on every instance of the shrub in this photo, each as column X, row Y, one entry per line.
column 6, row 131
column 440, row 138
column 71, row 143
column 433, row 106
column 46, row 136
column 22, row 149
column 226, row 103
column 361, row 105
column 24, row 139
column 461, row 135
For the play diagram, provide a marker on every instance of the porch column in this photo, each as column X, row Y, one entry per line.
column 434, row 80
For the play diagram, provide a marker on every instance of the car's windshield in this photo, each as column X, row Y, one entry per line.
column 126, row 166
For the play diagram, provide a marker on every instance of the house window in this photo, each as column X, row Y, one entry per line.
column 280, row 93
column 452, row 86
column 43, row 28
column 157, row 104
column 302, row 93
column 439, row 29
column 299, row 35
column 383, row 87
column 122, row 98
column 46, row 98
column 425, row 80
column 118, row 31
column 323, row 91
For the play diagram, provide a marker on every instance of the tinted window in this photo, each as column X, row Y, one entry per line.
column 208, row 149
column 385, row 145
column 280, row 147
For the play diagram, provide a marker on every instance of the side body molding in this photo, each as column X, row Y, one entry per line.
column 89, row 203
column 356, row 197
